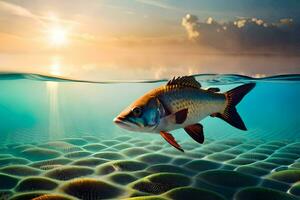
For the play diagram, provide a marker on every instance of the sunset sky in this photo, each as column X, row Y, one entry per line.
column 119, row 39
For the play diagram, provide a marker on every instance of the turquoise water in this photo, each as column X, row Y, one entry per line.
column 36, row 109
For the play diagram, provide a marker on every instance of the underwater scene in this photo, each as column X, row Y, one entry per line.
column 58, row 141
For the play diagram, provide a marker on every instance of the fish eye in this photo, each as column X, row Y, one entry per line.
column 137, row 111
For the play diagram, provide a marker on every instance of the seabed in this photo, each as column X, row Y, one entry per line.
column 127, row 167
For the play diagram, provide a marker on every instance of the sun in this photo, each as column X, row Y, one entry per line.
column 58, row 36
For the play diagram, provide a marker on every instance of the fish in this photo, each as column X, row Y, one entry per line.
column 182, row 103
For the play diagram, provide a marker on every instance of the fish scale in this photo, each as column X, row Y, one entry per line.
column 199, row 102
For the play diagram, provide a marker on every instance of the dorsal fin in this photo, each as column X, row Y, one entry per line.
column 186, row 81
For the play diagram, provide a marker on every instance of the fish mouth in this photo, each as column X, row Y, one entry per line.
column 120, row 121
column 125, row 123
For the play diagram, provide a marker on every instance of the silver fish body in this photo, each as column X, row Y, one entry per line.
column 182, row 103
column 200, row 104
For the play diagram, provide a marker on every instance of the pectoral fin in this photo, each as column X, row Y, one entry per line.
column 171, row 140
column 181, row 116
column 196, row 132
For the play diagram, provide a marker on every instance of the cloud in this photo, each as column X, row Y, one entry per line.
column 190, row 22
column 20, row 11
column 244, row 34
column 16, row 10
column 158, row 3
column 287, row 21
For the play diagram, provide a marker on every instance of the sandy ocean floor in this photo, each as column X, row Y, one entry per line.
column 131, row 168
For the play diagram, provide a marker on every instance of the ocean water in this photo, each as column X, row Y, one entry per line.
column 58, row 141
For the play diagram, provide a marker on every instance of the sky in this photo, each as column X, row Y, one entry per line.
column 125, row 39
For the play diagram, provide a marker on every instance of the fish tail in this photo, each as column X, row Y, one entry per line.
column 233, row 97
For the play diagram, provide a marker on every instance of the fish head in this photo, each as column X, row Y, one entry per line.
column 142, row 115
